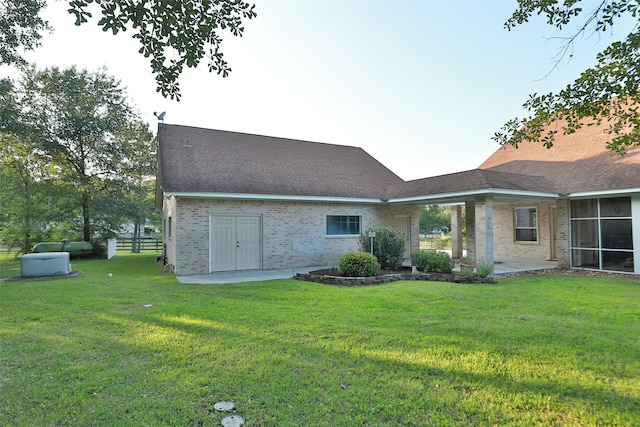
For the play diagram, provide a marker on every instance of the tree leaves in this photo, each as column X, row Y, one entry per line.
column 186, row 31
column 20, row 29
column 608, row 93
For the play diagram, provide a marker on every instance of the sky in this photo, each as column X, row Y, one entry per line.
column 422, row 86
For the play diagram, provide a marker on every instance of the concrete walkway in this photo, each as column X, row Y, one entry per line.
column 246, row 276
column 503, row 265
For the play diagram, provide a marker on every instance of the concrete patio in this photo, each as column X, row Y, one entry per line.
column 503, row 265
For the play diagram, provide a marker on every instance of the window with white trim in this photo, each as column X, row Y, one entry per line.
column 343, row 225
column 525, row 224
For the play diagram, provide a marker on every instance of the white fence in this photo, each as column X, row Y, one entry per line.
column 111, row 248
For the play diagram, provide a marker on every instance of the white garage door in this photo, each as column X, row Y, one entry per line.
column 235, row 243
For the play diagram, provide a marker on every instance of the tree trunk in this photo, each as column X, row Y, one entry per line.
column 135, row 241
column 86, row 217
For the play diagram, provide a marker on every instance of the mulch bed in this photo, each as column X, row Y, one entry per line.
column 330, row 276
column 334, row 272
column 570, row 272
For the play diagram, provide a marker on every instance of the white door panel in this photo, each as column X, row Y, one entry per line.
column 248, row 231
column 235, row 243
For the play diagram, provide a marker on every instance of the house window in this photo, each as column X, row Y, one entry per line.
column 169, row 229
column 526, row 224
column 343, row 225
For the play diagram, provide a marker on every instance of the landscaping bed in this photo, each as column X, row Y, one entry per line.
column 331, row 277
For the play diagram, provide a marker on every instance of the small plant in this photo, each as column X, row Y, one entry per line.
column 484, row 269
column 388, row 247
column 467, row 274
column 358, row 264
column 443, row 242
column 432, row 261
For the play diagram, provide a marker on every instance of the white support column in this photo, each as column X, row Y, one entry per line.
column 484, row 230
column 456, row 232
column 470, row 213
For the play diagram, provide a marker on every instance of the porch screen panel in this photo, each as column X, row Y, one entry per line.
column 584, row 233
column 584, row 258
column 601, row 234
column 615, row 207
column 587, row 208
column 616, row 234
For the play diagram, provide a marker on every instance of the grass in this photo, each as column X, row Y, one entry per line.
column 9, row 267
column 139, row 348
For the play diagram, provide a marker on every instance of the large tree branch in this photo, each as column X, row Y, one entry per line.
column 172, row 33
column 606, row 93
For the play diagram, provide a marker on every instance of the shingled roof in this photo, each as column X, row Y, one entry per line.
column 577, row 163
column 203, row 161
column 473, row 181
column 196, row 160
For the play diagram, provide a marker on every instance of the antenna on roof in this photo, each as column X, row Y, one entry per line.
column 160, row 116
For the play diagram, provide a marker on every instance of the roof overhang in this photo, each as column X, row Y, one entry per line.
column 603, row 193
column 499, row 195
column 272, row 197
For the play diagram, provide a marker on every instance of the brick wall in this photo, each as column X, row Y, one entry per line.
column 504, row 235
column 294, row 234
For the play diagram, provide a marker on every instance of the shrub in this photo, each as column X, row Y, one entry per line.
column 388, row 247
column 442, row 243
column 484, row 269
column 358, row 264
column 432, row 261
column 467, row 274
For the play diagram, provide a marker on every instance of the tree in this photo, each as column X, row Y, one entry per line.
column 20, row 28
column 138, row 190
column 172, row 33
column 434, row 217
column 609, row 92
column 86, row 133
column 27, row 203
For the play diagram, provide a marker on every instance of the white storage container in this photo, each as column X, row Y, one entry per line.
column 45, row 264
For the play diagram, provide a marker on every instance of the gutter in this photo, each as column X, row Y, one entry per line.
column 272, row 197
column 585, row 194
column 474, row 193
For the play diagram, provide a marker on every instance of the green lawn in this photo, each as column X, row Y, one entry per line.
column 139, row 348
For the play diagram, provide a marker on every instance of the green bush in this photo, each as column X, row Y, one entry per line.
column 484, row 269
column 358, row 264
column 388, row 247
column 432, row 261
column 443, row 242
